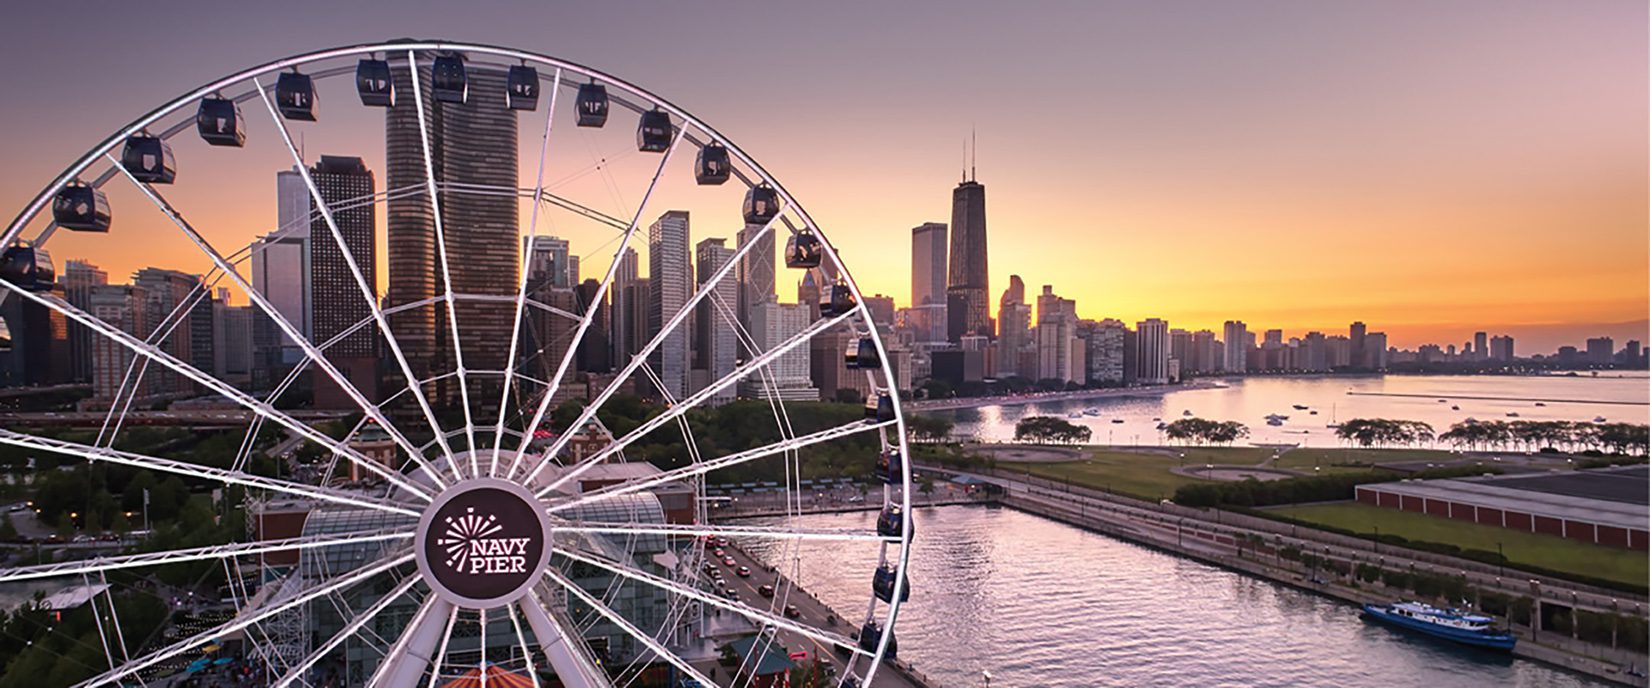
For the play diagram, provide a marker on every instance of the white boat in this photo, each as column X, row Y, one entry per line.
column 1091, row 412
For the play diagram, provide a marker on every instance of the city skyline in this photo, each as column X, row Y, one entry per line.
column 1266, row 170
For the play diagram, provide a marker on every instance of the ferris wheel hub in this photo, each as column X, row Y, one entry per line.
column 482, row 543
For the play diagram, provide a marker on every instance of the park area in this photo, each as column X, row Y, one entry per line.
column 1143, row 473
column 1531, row 549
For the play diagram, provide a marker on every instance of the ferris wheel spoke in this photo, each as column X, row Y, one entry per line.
column 441, row 255
column 717, row 530
column 692, row 401
column 191, row 470
column 194, row 642
column 640, row 358
column 567, row 655
column 349, row 630
column 640, row 635
column 440, row 655
column 521, row 293
column 104, row 564
column 590, row 309
column 521, row 639
column 758, row 615
column 720, row 462
column 366, row 290
column 404, row 663
column 314, row 355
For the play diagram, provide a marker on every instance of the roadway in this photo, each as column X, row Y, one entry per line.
column 811, row 613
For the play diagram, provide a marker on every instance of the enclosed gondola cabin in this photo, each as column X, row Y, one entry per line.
column 521, row 88
column 837, row 300
column 653, row 132
column 592, row 105
column 218, row 121
column 448, row 81
column 879, row 409
column 149, row 159
column 870, row 635
column 714, row 166
column 891, row 523
column 889, row 470
column 5, row 337
column 882, row 584
column 803, row 250
column 761, row 204
column 374, row 84
column 81, row 208
column 295, row 96
column 28, row 267
column 863, row 356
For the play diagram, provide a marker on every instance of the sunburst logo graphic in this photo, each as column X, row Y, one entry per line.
column 461, row 532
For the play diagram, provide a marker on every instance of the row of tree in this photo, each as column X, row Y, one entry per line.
column 1202, row 431
column 1535, row 435
column 1384, row 432
column 1050, row 430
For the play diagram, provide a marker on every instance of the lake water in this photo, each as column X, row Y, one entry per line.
column 1615, row 397
column 1040, row 603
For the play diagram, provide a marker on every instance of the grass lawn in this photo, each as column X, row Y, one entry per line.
column 1144, row 474
column 1306, row 459
column 1545, row 551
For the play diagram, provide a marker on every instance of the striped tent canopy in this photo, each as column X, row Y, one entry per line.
column 496, row 678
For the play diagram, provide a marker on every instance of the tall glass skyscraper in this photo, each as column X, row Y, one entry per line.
column 472, row 144
column 670, row 277
column 968, row 307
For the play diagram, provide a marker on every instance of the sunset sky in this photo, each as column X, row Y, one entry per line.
column 1431, row 169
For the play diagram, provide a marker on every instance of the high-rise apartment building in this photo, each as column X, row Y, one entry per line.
column 967, row 305
column 1206, row 353
column 1235, row 358
column 122, row 306
column 628, row 299
column 176, row 305
column 928, row 267
column 1105, row 352
column 670, row 278
column 1356, row 334
column 547, row 262
column 1375, row 353
column 472, row 145
column 595, row 350
column 787, row 377
column 755, row 272
column 281, row 274
column 1154, row 351
column 1600, row 350
column 1013, row 328
column 1056, row 337
column 78, row 279
column 716, row 343
column 1481, row 346
column 335, row 301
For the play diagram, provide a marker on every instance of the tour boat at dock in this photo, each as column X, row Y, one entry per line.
column 1449, row 624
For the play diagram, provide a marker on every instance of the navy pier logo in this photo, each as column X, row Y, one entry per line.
column 483, row 542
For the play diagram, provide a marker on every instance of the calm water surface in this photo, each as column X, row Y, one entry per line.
column 1250, row 400
column 1040, row 603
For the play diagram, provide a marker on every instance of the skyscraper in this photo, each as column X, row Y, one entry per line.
column 1480, row 346
column 546, row 260
column 595, row 350
column 967, row 304
column 629, row 311
column 122, row 307
column 335, row 302
column 928, row 268
column 173, row 305
column 1056, row 337
column 755, row 273
column 280, row 272
column 78, row 279
column 1105, row 352
column 471, row 143
column 1013, row 328
column 786, row 377
column 670, row 277
column 716, row 341
column 1356, row 334
column 1154, row 352
column 1600, row 350
column 1236, row 355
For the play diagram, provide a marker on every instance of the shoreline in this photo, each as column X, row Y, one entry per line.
column 1074, row 395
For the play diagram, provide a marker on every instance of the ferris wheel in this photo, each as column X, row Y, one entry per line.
column 435, row 467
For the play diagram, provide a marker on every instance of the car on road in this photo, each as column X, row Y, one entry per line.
column 766, row 590
column 791, row 612
column 744, row 572
column 723, row 542
column 729, row 562
column 731, row 594
column 710, row 568
column 719, row 552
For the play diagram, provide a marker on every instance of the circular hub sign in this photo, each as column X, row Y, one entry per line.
column 482, row 543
